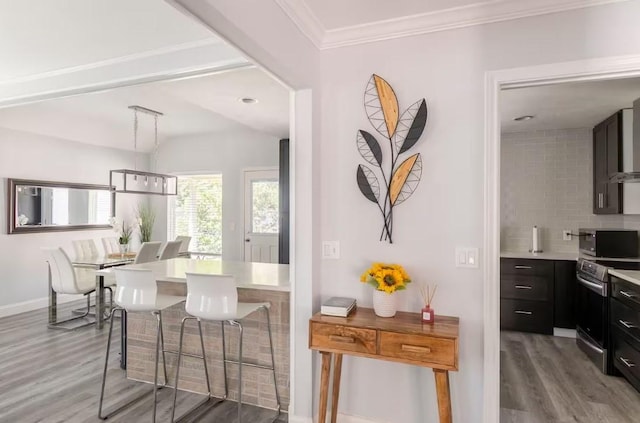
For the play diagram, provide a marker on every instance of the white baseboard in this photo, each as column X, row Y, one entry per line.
column 17, row 308
column 342, row 418
column 565, row 333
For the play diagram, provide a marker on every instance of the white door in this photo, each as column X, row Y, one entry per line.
column 261, row 216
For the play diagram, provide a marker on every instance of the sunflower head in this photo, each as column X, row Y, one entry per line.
column 386, row 277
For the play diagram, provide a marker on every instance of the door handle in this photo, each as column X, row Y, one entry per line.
column 627, row 362
column 626, row 294
column 522, row 267
column 600, row 200
column 627, row 324
column 524, row 287
column 528, row 313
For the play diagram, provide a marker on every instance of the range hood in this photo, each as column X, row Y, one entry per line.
column 630, row 146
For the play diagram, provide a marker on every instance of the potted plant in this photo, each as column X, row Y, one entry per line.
column 124, row 232
column 386, row 279
column 146, row 219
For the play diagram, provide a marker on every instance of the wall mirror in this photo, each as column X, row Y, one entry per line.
column 43, row 206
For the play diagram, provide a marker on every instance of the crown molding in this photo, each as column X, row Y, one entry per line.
column 458, row 17
column 304, row 18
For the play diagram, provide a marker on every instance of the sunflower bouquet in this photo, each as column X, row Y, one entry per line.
column 386, row 277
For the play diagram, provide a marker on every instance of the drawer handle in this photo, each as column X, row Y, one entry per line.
column 415, row 349
column 528, row 313
column 627, row 362
column 628, row 295
column 522, row 267
column 627, row 324
column 524, row 287
column 345, row 339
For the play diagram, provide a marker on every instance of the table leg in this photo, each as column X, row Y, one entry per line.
column 53, row 301
column 337, row 370
column 99, row 302
column 324, row 386
column 444, row 395
column 123, row 340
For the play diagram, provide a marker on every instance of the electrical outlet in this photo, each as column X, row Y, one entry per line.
column 566, row 235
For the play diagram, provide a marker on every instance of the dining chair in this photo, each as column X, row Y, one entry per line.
column 137, row 291
column 85, row 248
column 215, row 298
column 185, row 241
column 170, row 250
column 111, row 245
column 66, row 279
column 148, row 252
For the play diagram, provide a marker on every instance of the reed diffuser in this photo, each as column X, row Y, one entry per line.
column 428, row 314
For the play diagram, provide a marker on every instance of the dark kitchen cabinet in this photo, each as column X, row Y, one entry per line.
column 625, row 329
column 284, row 184
column 564, row 306
column 537, row 295
column 607, row 140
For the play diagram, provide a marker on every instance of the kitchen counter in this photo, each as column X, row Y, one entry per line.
column 632, row 276
column 540, row 256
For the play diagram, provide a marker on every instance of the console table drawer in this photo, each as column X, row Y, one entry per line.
column 343, row 338
column 426, row 349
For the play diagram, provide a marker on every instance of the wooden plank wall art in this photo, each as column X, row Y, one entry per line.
column 402, row 131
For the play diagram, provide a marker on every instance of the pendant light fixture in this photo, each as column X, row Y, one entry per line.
column 134, row 181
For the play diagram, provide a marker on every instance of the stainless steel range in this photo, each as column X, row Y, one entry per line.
column 592, row 312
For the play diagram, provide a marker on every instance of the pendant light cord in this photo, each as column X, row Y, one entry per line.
column 135, row 140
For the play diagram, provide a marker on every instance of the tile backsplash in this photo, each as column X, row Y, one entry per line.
column 546, row 180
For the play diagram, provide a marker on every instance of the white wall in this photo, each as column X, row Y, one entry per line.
column 28, row 156
column 448, row 68
column 229, row 153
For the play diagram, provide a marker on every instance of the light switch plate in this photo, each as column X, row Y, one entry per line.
column 331, row 250
column 467, row 257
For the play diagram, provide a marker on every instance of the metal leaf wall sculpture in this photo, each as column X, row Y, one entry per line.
column 402, row 131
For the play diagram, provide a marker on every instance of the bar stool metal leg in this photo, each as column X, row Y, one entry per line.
column 224, row 362
column 273, row 361
column 101, row 414
column 206, row 371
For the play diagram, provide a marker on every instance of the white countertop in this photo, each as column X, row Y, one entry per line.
column 632, row 276
column 267, row 276
column 541, row 256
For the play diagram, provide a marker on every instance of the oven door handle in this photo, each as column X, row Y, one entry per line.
column 597, row 288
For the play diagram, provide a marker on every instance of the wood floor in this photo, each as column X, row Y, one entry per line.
column 54, row 376
column 546, row 379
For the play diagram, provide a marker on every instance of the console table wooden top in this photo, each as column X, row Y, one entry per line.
column 403, row 338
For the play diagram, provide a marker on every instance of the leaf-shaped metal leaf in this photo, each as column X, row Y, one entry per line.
column 381, row 106
column 368, row 183
column 369, row 148
column 405, row 180
column 410, row 126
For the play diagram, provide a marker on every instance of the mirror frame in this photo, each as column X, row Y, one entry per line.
column 12, row 186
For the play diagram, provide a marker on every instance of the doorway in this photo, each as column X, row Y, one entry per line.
column 496, row 81
column 261, row 215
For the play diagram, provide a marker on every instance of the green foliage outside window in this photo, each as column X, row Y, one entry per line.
column 198, row 212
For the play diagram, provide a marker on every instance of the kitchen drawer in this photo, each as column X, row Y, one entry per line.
column 626, row 319
column 626, row 358
column 627, row 292
column 415, row 347
column 343, row 338
column 526, row 267
column 526, row 287
column 526, row 316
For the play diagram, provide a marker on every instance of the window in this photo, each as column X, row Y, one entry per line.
column 264, row 207
column 197, row 212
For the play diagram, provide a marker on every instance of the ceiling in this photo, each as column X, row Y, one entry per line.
column 191, row 106
column 566, row 105
column 38, row 36
column 337, row 23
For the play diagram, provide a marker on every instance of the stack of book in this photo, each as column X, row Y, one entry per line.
column 338, row 306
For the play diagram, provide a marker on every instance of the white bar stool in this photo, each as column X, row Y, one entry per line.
column 137, row 291
column 215, row 298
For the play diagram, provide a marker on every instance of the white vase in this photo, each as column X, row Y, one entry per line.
column 384, row 305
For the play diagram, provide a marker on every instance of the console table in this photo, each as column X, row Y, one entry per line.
column 403, row 338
